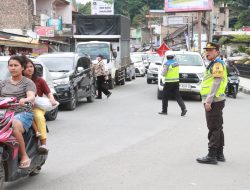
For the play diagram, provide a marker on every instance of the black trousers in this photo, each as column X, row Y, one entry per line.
column 171, row 88
column 101, row 87
column 214, row 123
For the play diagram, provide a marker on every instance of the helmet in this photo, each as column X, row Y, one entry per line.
column 170, row 56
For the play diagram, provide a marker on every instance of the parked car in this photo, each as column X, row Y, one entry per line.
column 72, row 77
column 138, row 63
column 155, row 63
column 130, row 71
column 192, row 68
column 237, row 57
column 42, row 72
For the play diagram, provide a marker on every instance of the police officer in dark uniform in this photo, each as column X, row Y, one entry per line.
column 213, row 96
column 171, row 86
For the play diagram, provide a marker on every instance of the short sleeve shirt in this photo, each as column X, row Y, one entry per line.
column 217, row 70
column 19, row 90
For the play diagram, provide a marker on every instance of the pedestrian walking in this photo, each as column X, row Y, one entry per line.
column 100, row 74
column 171, row 86
column 213, row 97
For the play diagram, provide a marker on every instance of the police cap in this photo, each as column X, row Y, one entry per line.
column 212, row 45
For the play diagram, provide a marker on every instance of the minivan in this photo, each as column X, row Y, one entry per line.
column 72, row 77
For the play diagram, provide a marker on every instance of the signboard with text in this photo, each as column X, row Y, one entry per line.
column 188, row 5
column 102, row 7
column 45, row 31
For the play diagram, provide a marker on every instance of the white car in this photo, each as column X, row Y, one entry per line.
column 191, row 70
column 138, row 63
column 155, row 63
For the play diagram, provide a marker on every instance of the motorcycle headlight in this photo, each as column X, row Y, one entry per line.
column 63, row 81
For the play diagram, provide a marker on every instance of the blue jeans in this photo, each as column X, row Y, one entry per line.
column 25, row 118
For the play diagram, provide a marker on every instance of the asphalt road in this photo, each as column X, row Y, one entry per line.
column 122, row 143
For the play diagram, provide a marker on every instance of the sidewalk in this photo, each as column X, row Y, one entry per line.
column 244, row 85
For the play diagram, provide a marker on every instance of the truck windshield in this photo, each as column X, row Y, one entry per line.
column 95, row 49
column 58, row 64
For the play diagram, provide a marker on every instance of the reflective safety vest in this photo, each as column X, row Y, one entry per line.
column 172, row 74
column 208, row 81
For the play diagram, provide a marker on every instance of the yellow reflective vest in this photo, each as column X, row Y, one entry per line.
column 172, row 74
column 208, row 80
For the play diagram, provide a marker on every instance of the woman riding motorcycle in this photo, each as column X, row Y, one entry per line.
column 24, row 89
column 42, row 88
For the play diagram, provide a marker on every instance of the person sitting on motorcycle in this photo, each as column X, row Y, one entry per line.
column 232, row 71
column 42, row 88
column 24, row 90
column 231, row 68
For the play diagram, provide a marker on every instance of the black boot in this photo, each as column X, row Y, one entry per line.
column 210, row 158
column 220, row 155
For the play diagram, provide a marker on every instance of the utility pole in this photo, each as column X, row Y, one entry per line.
column 192, row 33
column 199, row 31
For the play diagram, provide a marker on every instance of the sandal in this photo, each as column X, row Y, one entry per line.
column 43, row 149
column 25, row 164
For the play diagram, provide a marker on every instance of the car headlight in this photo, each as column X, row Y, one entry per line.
column 62, row 81
column 200, row 75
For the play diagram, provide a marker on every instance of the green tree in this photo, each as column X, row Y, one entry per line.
column 85, row 8
column 239, row 12
column 137, row 9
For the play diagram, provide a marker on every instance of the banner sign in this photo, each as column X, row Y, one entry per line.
column 188, row 5
column 45, row 31
column 102, row 7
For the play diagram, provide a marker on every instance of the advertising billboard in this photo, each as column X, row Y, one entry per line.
column 102, row 7
column 188, row 5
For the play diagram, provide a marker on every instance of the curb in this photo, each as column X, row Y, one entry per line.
column 244, row 90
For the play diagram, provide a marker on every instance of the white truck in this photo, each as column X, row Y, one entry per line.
column 108, row 35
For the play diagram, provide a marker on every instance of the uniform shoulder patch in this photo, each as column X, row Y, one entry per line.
column 217, row 70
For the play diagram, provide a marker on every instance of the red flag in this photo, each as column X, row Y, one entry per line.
column 162, row 49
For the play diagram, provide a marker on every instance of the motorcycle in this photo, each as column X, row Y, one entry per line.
column 232, row 85
column 9, row 158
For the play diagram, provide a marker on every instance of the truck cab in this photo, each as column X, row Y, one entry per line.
column 108, row 35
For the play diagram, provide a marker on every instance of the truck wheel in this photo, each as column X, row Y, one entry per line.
column 134, row 76
column 2, row 175
column 122, row 81
column 72, row 104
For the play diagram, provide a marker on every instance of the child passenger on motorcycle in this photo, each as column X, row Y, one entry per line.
column 42, row 88
column 24, row 90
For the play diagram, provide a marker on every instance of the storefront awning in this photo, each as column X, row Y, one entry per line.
column 19, row 42
column 53, row 41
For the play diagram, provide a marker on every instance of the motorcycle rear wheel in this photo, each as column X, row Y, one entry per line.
column 2, row 175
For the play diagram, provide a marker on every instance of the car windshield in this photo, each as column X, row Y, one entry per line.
column 4, row 70
column 136, row 58
column 93, row 50
column 58, row 64
column 154, row 58
column 189, row 60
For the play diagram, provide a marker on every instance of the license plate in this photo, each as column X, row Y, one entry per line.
column 185, row 86
column 2, row 114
